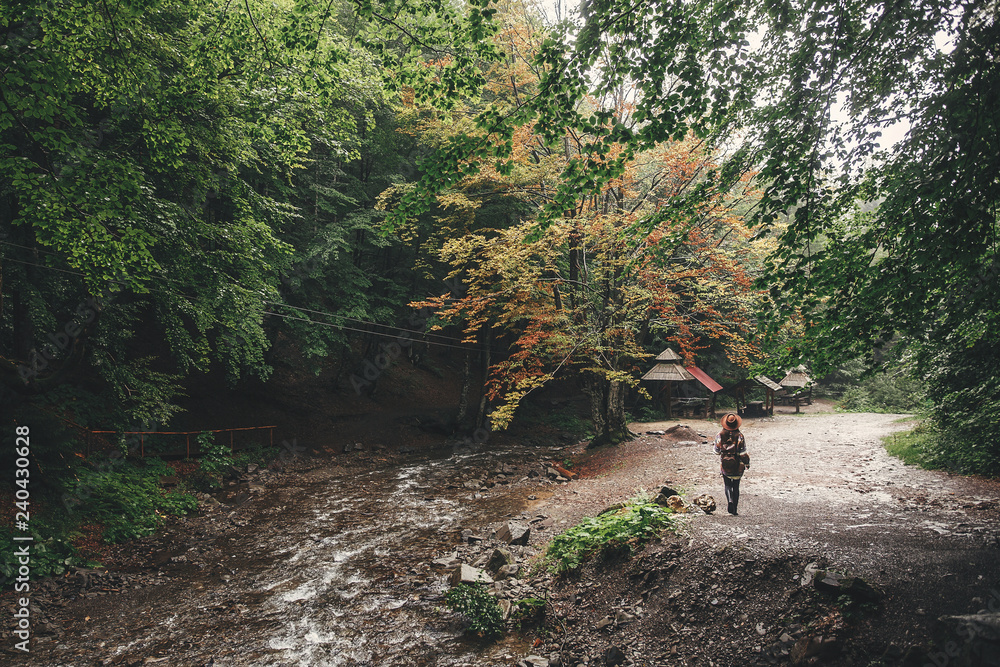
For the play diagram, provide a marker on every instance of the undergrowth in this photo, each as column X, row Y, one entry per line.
column 932, row 448
column 639, row 521
column 127, row 499
column 482, row 609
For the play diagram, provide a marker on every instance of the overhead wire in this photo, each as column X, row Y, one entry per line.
column 423, row 334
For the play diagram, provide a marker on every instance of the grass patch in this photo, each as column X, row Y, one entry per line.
column 910, row 446
column 933, row 449
column 625, row 529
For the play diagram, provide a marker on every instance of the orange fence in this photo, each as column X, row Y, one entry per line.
column 187, row 434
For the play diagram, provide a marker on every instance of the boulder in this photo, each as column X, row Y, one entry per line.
column 466, row 574
column 676, row 503
column 705, row 502
column 446, row 562
column 470, row 536
column 498, row 559
column 513, row 534
column 842, row 584
column 535, row 661
column 809, row 575
column 508, row 571
column 614, row 656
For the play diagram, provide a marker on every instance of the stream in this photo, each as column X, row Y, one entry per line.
column 333, row 571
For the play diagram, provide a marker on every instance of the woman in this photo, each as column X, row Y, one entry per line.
column 732, row 450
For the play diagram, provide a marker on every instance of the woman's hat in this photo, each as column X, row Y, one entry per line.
column 732, row 422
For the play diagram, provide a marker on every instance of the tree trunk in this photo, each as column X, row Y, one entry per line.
column 483, row 402
column 607, row 410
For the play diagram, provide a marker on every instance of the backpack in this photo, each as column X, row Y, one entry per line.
column 731, row 460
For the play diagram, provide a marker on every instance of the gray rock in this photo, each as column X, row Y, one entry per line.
column 508, row 571
column 536, row 661
column 809, row 575
column 614, row 656
column 604, row 622
column 498, row 559
column 623, row 617
column 842, row 584
column 513, row 534
column 980, row 639
column 446, row 563
column 466, row 574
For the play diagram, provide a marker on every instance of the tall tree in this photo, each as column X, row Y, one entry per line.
column 801, row 92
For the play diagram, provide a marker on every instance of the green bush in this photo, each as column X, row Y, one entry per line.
column 475, row 603
column 259, row 454
column 639, row 521
column 215, row 456
column 50, row 554
column 891, row 392
column 127, row 500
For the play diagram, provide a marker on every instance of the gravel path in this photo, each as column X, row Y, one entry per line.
column 821, row 486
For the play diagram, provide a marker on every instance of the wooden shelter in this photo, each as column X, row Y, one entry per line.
column 670, row 356
column 747, row 407
column 669, row 370
column 796, row 379
column 771, row 388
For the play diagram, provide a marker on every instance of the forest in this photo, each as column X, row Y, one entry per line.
column 195, row 188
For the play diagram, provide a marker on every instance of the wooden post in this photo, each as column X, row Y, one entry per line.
column 142, row 446
column 188, row 438
column 231, row 443
column 670, row 406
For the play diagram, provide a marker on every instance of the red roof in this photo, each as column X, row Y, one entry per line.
column 703, row 378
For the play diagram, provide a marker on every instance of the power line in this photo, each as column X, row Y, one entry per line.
column 423, row 334
column 374, row 333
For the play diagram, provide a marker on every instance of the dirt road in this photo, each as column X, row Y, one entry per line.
column 821, row 487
